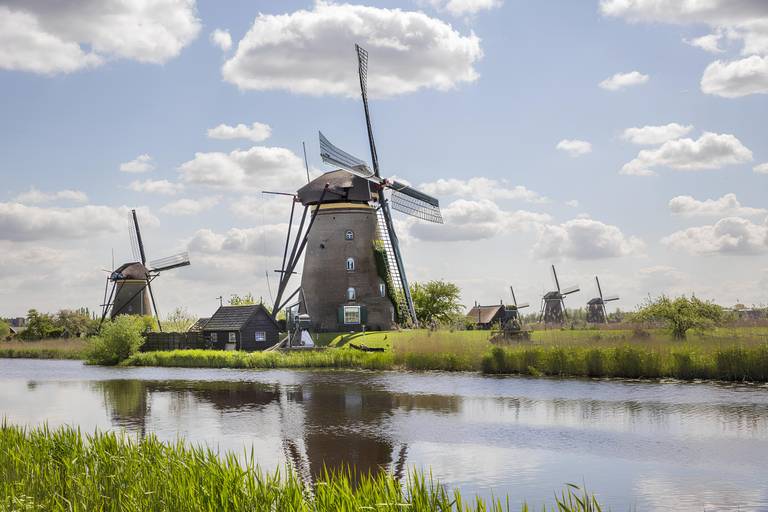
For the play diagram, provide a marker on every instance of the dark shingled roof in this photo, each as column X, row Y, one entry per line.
column 199, row 325
column 133, row 270
column 486, row 313
column 342, row 187
column 233, row 318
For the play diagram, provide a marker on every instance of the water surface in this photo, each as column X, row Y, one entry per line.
column 638, row 445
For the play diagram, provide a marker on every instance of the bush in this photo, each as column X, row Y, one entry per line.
column 119, row 340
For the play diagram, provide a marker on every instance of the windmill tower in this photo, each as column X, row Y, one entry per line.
column 553, row 303
column 512, row 313
column 596, row 313
column 131, row 292
column 353, row 273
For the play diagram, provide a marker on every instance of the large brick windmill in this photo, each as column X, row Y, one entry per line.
column 354, row 273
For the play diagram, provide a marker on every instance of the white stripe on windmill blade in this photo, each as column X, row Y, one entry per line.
column 570, row 290
column 177, row 260
column 611, row 298
column 523, row 305
column 335, row 156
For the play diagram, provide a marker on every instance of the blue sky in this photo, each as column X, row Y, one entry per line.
column 478, row 93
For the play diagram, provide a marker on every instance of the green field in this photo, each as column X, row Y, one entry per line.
column 64, row 470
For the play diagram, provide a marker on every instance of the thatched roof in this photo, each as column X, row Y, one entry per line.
column 342, row 187
column 133, row 270
column 485, row 314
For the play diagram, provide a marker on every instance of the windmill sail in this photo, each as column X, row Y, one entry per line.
column 334, row 156
column 417, row 204
column 169, row 262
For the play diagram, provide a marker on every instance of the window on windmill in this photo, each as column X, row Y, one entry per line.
column 350, row 264
column 349, row 235
column 352, row 315
column 350, row 294
column 382, row 289
column 260, row 336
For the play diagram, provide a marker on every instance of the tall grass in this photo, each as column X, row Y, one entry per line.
column 60, row 348
column 58, row 470
column 729, row 363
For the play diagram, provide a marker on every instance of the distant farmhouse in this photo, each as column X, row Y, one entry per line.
column 485, row 317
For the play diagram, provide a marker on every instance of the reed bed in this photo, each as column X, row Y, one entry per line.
column 64, row 470
column 65, row 348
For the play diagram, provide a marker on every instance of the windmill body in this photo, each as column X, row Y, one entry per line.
column 343, row 287
column 553, row 302
column 131, row 295
column 596, row 311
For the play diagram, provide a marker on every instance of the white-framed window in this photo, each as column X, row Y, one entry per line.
column 214, row 337
column 349, row 235
column 260, row 336
column 350, row 264
column 232, row 337
column 382, row 289
column 351, row 293
column 352, row 315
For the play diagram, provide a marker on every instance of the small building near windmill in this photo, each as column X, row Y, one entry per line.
column 485, row 317
column 248, row 328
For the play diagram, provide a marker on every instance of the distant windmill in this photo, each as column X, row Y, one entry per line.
column 596, row 313
column 353, row 272
column 513, row 310
column 553, row 303
column 131, row 292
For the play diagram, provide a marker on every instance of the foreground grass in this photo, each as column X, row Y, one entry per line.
column 58, row 470
column 44, row 349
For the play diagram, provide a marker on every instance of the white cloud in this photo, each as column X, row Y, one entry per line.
column 188, row 206
column 623, row 80
column 710, row 151
column 21, row 222
column 481, row 188
column 162, row 187
column 258, row 168
column 474, row 220
column 35, row 196
column 736, row 78
column 584, row 239
column 142, row 163
column 575, row 148
column 761, row 169
column 731, row 235
column 709, row 43
column 652, row 135
column 222, row 39
column 312, row 52
column 263, row 240
column 573, row 203
column 728, row 205
column 739, row 20
column 47, row 37
column 466, row 7
column 257, row 132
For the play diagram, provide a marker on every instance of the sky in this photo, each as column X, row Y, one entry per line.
column 619, row 138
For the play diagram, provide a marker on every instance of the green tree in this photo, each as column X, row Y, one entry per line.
column 119, row 339
column 5, row 329
column 75, row 323
column 40, row 326
column 179, row 320
column 681, row 314
column 236, row 300
column 436, row 301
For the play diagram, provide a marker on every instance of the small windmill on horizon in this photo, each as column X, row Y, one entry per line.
column 596, row 312
column 131, row 292
column 553, row 302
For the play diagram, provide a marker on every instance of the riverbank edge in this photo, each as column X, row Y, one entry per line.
column 64, row 469
column 730, row 364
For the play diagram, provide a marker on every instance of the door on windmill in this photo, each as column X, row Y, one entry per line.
column 352, row 316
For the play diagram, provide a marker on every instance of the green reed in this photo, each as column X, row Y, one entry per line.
column 64, row 470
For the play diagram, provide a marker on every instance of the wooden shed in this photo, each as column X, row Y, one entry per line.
column 485, row 317
column 248, row 328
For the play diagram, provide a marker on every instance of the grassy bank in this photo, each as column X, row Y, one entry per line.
column 44, row 349
column 57, row 470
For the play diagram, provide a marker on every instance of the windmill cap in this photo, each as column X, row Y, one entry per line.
column 342, row 187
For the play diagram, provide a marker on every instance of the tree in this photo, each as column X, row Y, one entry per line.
column 40, row 326
column 75, row 322
column 5, row 329
column 179, row 320
column 236, row 300
column 681, row 314
column 119, row 339
column 436, row 301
